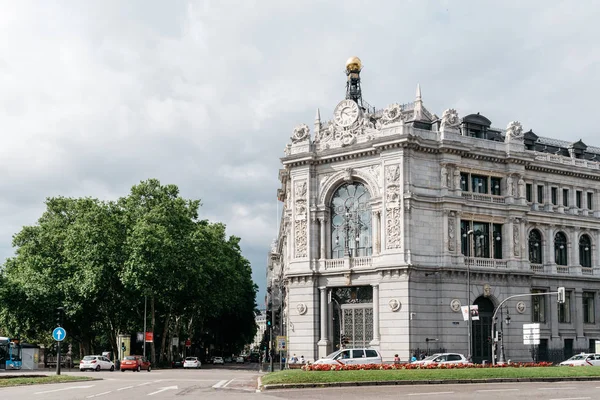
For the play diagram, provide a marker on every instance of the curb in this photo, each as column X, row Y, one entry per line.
column 421, row 382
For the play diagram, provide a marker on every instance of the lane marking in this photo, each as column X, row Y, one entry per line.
column 220, row 384
column 162, row 390
column 144, row 384
column 428, row 394
column 572, row 398
column 67, row 388
column 125, row 388
column 99, row 394
column 558, row 388
column 498, row 390
column 225, row 385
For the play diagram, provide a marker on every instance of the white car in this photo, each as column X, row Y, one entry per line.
column 443, row 358
column 218, row 360
column 192, row 362
column 583, row 360
column 352, row 356
column 239, row 360
column 96, row 363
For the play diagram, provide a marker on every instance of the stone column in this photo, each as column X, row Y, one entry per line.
column 560, row 208
column 548, row 243
column 573, row 248
column 323, row 342
column 375, row 233
column 577, row 309
column 322, row 236
column 376, row 337
column 549, row 205
column 596, row 203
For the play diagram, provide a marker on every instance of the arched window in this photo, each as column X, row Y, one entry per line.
column 560, row 249
column 585, row 251
column 535, row 247
column 351, row 221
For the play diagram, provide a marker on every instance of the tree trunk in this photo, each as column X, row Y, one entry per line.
column 152, row 347
column 163, row 347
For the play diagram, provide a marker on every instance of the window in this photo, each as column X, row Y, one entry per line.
column 495, row 183
column 360, row 353
column 560, row 249
column 564, row 310
column 464, row 182
column 479, row 183
column 529, row 192
column 540, row 194
column 535, row 247
column 554, row 196
column 566, row 197
column 538, row 305
column 589, row 309
column 485, row 240
column 578, row 198
column 585, row 251
column 590, row 200
column 371, row 353
column 351, row 221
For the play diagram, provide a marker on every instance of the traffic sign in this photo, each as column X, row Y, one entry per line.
column 59, row 334
column 281, row 343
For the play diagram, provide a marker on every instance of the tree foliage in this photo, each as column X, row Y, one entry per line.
column 102, row 260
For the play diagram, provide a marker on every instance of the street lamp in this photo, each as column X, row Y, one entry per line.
column 352, row 224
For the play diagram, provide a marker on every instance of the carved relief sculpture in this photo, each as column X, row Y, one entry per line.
column 450, row 120
column 514, row 132
column 301, row 134
column 509, row 186
column 300, row 220
column 393, row 214
column 456, row 179
column 521, row 185
column 391, row 114
column 451, row 232
column 444, row 176
column 516, row 241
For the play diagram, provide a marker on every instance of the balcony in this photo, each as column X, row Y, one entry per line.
column 488, row 198
column 346, row 263
column 537, row 268
column 485, row 262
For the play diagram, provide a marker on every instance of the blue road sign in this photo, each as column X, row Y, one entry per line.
column 59, row 334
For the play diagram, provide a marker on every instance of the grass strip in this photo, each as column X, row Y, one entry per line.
column 37, row 380
column 299, row 376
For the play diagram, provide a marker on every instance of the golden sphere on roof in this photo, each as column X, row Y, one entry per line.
column 353, row 64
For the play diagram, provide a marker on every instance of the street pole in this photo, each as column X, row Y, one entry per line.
column 144, row 336
column 500, row 307
column 58, row 358
column 501, row 358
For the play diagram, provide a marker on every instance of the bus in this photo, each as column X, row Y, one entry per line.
column 10, row 353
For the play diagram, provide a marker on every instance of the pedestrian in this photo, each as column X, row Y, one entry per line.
column 413, row 358
column 294, row 359
column 396, row 359
column 302, row 360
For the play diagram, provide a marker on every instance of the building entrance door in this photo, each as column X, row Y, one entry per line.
column 481, row 331
column 357, row 323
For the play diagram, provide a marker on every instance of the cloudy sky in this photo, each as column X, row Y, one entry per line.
column 96, row 96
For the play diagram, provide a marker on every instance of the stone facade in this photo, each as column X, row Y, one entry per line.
column 453, row 204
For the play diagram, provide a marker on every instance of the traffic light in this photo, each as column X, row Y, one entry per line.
column 59, row 316
column 269, row 320
column 123, row 346
column 561, row 295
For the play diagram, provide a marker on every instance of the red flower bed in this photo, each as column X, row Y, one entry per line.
column 358, row 367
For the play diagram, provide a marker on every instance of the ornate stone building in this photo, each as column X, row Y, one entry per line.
column 393, row 219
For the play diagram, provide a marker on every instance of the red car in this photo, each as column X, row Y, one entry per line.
column 135, row 363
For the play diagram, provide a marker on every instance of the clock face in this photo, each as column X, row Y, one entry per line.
column 346, row 113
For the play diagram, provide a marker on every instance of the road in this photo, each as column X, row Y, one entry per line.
column 239, row 382
column 210, row 382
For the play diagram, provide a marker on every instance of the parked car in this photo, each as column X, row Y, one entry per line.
column 135, row 363
column 96, row 363
column 218, row 360
column 239, row 360
column 177, row 363
column 583, row 360
column 352, row 356
column 192, row 362
column 228, row 359
column 443, row 358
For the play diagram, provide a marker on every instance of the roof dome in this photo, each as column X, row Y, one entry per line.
column 353, row 64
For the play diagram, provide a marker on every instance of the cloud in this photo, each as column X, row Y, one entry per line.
column 96, row 96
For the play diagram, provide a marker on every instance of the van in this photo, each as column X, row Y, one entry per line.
column 352, row 357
